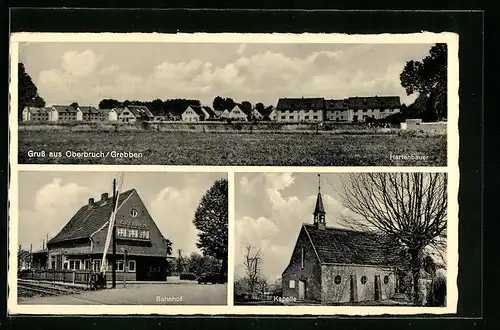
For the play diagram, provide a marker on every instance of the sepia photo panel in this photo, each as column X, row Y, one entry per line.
column 129, row 238
column 240, row 101
column 342, row 239
column 233, row 174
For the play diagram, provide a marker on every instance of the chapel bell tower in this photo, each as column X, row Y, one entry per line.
column 319, row 210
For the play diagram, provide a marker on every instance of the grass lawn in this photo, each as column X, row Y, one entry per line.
column 242, row 149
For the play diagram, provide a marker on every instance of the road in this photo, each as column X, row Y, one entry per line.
column 142, row 294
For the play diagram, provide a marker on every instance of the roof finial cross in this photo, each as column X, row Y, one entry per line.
column 319, row 183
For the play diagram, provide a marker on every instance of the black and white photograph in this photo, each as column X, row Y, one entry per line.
column 233, row 103
column 133, row 238
column 342, row 239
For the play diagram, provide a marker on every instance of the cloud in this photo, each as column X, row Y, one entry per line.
column 262, row 76
column 109, row 69
column 53, row 205
column 274, row 227
column 80, row 64
column 173, row 210
column 241, row 49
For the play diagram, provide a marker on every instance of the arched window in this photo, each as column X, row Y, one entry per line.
column 337, row 280
column 363, row 279
column 133, row 212
column 386, row 279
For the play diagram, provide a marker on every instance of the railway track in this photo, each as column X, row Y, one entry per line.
column 46, row 289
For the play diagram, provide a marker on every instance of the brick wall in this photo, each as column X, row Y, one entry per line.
column 333, row 292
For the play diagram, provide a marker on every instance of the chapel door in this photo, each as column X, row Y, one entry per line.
column 302, row 290
column 352, row 296
column 378, row 287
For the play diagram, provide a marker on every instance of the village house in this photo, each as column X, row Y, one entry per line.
column 79, row 246
column 377, row 107
column 224, row 114
column 194, row 113
column 135, row 114
column 110, row 114
column 65, row 113
column 239, row 113
column 210, row 113
column 90, row 113
column 23, row 259
column 333, row 265
column 338, row 110
column 35, row 114
column 265, row 114
column 300, row 109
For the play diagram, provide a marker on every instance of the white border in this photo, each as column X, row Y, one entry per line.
column 450, row 39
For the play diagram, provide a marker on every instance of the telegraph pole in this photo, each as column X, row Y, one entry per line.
column 114, row 239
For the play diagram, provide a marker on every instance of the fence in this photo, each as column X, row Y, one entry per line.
column 67, row 276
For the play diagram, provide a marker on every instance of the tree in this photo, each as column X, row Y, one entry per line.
column 229, row 103
column 109, row 104
column 27, row 91
column 74, row 105
column 252, row 268
column 246, row 105
column 168, row 245
column 211, row 220
column 260, row 107
column 408, row 208
column 218, row 103
column 428, row 78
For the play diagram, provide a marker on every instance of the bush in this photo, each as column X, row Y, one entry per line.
column 188, row 276
column 437, row 294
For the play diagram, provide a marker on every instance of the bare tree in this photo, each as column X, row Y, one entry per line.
column 411, row 208
column 252, row 268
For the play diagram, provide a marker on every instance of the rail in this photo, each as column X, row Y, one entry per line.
column 66, row 276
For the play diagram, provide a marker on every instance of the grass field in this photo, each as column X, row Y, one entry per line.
column 243, row 149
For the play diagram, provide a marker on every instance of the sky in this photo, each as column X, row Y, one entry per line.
column 270, row 209
column 86, row 73
column 51, row 199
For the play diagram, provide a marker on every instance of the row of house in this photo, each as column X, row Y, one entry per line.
column 353, row 109
column 236, row 113
column 63, row 113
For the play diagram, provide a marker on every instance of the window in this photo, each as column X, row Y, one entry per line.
column 86, row 264
column 121, row 232
column 97, row 265
column 337, row 280
column 315, row 117
column 306, row 117
column 65, row 265
column 283, row 117
column 134, row 213
column 302, row 257
column 291, row 285
column 291, row 117
column 144, row 234
column 134, row 233
column 119, row 265
column 386, row 279
column 131, row 265
column 364, row 110
column 53, row 265
column 363, row 279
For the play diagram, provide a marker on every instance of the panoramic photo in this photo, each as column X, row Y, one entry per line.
column 213, row 103
column 135, row 238
column 341, row 239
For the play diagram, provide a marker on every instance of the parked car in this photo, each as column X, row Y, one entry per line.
column 211, row 278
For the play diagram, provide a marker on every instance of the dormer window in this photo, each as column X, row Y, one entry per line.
column 134, row 213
